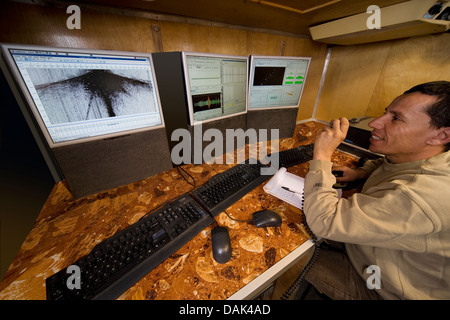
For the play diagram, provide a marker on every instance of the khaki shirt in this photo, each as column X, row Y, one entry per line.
column 399, row 222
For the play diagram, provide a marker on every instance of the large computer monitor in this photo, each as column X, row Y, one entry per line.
column 276, row 81
column 98, row 112
column 216, row 86
column 275, row 89
column 81, row 95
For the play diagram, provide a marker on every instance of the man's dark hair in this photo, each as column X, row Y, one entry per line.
column 439, row 111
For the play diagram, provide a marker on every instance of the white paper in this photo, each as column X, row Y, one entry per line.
column 294, row 183
column 291, row 181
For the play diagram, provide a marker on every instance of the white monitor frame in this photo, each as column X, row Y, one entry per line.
column 275, row 61
column 17, row 76
column 189, row 95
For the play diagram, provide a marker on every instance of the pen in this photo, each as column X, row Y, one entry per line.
column 293, row 191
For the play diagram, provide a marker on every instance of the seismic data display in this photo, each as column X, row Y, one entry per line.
column 79, row 95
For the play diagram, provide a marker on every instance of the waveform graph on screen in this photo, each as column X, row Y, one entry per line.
column 209, row 101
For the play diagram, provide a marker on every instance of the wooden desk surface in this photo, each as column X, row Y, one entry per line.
column 67, row 229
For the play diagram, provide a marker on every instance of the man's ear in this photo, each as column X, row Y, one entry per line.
column 441, row 138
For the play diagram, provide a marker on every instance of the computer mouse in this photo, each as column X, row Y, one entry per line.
column 266, row 218
column 221, row 244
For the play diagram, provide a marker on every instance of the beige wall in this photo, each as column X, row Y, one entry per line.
column 33, row 24
column 362, row 80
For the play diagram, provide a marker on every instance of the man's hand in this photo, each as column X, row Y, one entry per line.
column 330, row 138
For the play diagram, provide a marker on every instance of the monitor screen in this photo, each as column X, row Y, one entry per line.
column 216, row 86
column 77, row 95
column 276, row 82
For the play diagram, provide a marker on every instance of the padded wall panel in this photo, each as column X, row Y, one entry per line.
column 282, row 119
column 235, row 122
column 100, row 165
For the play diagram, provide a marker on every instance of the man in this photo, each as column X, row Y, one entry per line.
column 398, row 227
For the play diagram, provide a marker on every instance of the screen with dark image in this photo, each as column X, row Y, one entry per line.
column 216, row 86
column 78, row 95
column 276, row 82
column 268, row 76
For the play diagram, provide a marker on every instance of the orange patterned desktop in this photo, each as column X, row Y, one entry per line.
column 67, row 229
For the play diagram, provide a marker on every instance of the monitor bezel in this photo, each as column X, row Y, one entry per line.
column 184, row 55
column 251, row 76
column 20, row 82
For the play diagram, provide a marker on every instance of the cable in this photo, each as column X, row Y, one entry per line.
column 193, row 184
column 298, row 282
column 236, row 219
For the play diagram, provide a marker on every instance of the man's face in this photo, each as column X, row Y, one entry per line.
column 403, row 131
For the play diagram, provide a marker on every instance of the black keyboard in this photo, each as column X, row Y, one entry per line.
column 294, row 156
column 120, row 261
column 226, row 188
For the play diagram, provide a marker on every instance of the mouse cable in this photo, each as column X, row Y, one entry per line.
column 236, row 219
column 190, row 176
column 193, row 184
column 162, row 204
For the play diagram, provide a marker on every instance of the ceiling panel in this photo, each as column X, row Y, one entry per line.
column 285, row 17
column 301, row 7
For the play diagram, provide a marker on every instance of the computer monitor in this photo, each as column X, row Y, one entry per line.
column 216, row 86
column 275, row 90
column 78, row 95
column 276, row 81
column 95, row 114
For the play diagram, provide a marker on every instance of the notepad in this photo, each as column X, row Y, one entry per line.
column 287, row 187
